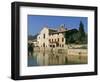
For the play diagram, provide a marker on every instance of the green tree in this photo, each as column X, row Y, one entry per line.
column 81, row 32
column 81, row 27
column 76, row 36
column 71, row 36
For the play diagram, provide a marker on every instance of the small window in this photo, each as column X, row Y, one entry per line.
column 49, row 40
column 50, row 45
column 62, row 39
column 44, row 36
column 57, row 45
column 62, row 45
column 55, row 40
column 58, row 39
column 53, row 46
column 52, row 40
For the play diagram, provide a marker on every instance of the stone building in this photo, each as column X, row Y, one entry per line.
column 51, row 38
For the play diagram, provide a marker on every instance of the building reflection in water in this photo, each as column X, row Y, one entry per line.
column 52, row 58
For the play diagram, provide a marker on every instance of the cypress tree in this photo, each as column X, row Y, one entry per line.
column 81, row 32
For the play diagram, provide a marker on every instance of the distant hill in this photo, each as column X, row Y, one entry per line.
column 31, row 37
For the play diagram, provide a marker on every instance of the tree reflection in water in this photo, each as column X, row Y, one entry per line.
column 53, row 58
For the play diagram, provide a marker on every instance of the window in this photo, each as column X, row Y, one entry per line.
column 53, row 46
column 58, row 39
column 55, row 40
column 52, row 40
column 62, row 45
column 62, row 39
column 50, row 45
column 57, row 45
column 49, row 40
column 44, row 36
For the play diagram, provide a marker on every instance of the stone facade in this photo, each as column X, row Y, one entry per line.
column 51, row 38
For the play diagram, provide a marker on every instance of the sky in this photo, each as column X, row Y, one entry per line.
column 37, row 22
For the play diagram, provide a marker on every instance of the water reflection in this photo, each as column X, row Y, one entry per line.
column 52, row 58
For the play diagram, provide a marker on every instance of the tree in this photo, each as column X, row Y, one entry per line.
column 81, row 32
column 71, row 36
column 81, row 27
column 76, row 36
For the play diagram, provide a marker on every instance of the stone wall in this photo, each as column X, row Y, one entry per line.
column 66, row 49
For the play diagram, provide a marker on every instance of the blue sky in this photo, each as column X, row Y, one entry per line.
column 37, row 22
